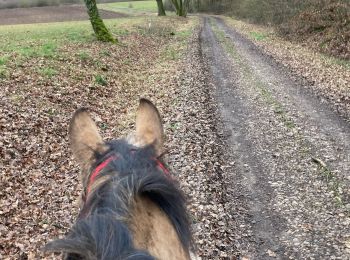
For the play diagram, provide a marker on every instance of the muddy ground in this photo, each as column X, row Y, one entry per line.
column 48, row 14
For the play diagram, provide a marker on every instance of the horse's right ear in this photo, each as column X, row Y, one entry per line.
column 149, row 126
column 84, row 137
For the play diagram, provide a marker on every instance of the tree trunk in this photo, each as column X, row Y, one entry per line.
column 181, row 7
column 161, row 11
column 97, row 23
column 176, row 6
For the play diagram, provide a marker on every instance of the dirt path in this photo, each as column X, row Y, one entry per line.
column 289, row 184
column 48, row 14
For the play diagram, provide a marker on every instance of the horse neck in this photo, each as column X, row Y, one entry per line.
column 153, row 231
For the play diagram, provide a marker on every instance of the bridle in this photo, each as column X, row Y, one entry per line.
column 99, row 168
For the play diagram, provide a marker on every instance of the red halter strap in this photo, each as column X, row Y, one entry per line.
column 98, row 169
column 162, row 167
column 104, row 164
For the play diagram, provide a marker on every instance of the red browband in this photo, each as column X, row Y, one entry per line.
column 102, row 165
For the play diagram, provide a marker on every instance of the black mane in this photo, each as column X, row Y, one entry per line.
column 101, row 231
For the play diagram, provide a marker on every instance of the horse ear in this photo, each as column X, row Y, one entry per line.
column 149, row 126
column 84, row 137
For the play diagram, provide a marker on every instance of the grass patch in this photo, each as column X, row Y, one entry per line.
column 258, row 36
column 3, row 60
column 106, row 53
column 180, row 38
column 331, row 179
column 3, row 73
column 171, row 53
column 48, row 49
column 47, row 35
column 221, row 36
column 84, row 56
column 100, row 80
column 185, row 34
column 27, row 51
column 278, row 108
column 154, row 28
column 131, row 7
column 333, row 60
column 48, row 72
column 46, row 39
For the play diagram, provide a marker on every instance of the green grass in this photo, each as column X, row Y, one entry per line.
column 171, row 53
column 185, row 34
column 258, row 36
column 105, row 53
column 103, row 126
column 48, row 72
column 100, row 80
column 331, row 179
column 47, row 50
column 3, row 60
column 42, row 40
column 181, row 37
column 84, row 56
column 330, row 61
column 20, row 35
column 131, row 7
column 3, row 73
column 56, row 42
column 50, row 111
column 45, row 40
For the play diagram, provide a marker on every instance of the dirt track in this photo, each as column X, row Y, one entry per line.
column 49, row 14
column 289, row 185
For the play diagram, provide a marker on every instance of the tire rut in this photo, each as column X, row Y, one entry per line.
column 289, row 153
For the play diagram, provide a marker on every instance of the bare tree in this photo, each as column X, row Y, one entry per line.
column 161, row 10
column 97, row 23
column 181, row 7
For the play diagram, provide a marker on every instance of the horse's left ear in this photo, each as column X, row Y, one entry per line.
column 84, row 138
column 149, row 126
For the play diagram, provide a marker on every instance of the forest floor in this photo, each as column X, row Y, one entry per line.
column 49, row 70
column 257, row 131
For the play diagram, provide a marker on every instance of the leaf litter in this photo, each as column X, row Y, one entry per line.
column 39, row 176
